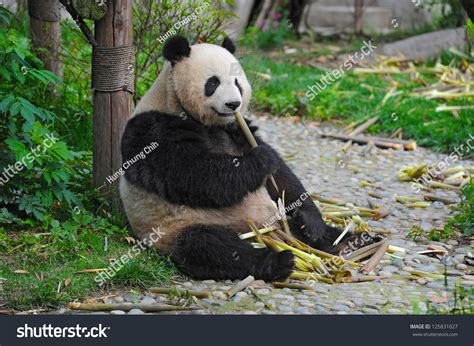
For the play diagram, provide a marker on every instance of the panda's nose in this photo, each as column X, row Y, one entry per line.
column 233, row 105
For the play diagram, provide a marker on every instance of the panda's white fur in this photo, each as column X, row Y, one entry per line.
column 182, row 86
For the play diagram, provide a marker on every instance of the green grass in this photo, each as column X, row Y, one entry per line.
column 52, row 261
column 355, row 97
column 464, row 219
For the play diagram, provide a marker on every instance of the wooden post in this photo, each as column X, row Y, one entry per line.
column 358, row 16
column 45, row 32
column 111, row 109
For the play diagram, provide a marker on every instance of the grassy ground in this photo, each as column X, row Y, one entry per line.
column 355, row 97
column 40, row 269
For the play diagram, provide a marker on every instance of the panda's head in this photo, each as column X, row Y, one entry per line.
column 208, row 80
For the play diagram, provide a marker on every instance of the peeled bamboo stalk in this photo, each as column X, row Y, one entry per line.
column 348, row 228
column 128, row 307
column 240, row 286
column 165, row 290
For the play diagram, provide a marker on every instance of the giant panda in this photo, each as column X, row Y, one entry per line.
column 204, row 181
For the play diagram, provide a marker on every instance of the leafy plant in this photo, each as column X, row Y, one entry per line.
column 36, row 165
column 156, row 21
column 464, row 220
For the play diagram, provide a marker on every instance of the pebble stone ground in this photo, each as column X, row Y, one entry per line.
column 322, row 167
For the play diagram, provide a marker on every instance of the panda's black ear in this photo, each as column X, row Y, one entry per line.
column 176, row 48
column 229, row 45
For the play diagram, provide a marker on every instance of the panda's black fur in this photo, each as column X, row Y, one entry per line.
column 192, row 168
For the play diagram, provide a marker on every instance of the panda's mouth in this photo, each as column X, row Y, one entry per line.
column 222, row 114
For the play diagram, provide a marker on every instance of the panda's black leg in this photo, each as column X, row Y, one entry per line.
column 211, row 252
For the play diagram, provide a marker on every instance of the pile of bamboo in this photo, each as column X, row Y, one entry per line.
column 427, row 177
column 317, row 265
column 453, row 81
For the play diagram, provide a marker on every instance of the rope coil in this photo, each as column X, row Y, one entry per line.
column 46, row 10
column 113, row 69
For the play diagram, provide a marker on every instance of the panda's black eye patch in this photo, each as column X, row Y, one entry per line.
column 238, row 86
column 211, row 85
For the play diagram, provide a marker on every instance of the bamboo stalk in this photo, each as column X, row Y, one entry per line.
column 253, row 234
column 264, row 301
column 165, row 290
column 128, row 307
column 428, row 197
column 292, row 285
column 327, row 200
column 240, row 286
column 381, row 143
column 361, row 128
column 365, row 278
column 254, row 228
column 348, row 228
column 250, row 138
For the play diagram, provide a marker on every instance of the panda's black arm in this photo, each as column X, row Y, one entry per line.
column 306, row 221
column 199, row 178
column 183, row 170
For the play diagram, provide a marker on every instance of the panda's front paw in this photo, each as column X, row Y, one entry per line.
column 276, row 266
column 267, row 158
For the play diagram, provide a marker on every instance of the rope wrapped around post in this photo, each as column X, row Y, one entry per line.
column 113, row 69
column 46, row 10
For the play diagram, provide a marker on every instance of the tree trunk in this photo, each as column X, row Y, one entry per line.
column 112, row 108
column 469, row 7
column 45, row 33
column 358, row 16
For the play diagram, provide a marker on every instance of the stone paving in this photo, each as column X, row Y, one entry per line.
column 322, row 167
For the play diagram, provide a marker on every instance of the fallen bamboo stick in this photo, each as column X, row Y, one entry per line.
column 128, row 307
column 395, row 134
column 365, row 278
column 292, row 286
column 240, row 286
column 165, row 290
column 361, row 128
column 428, row 197
column 381, row 143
